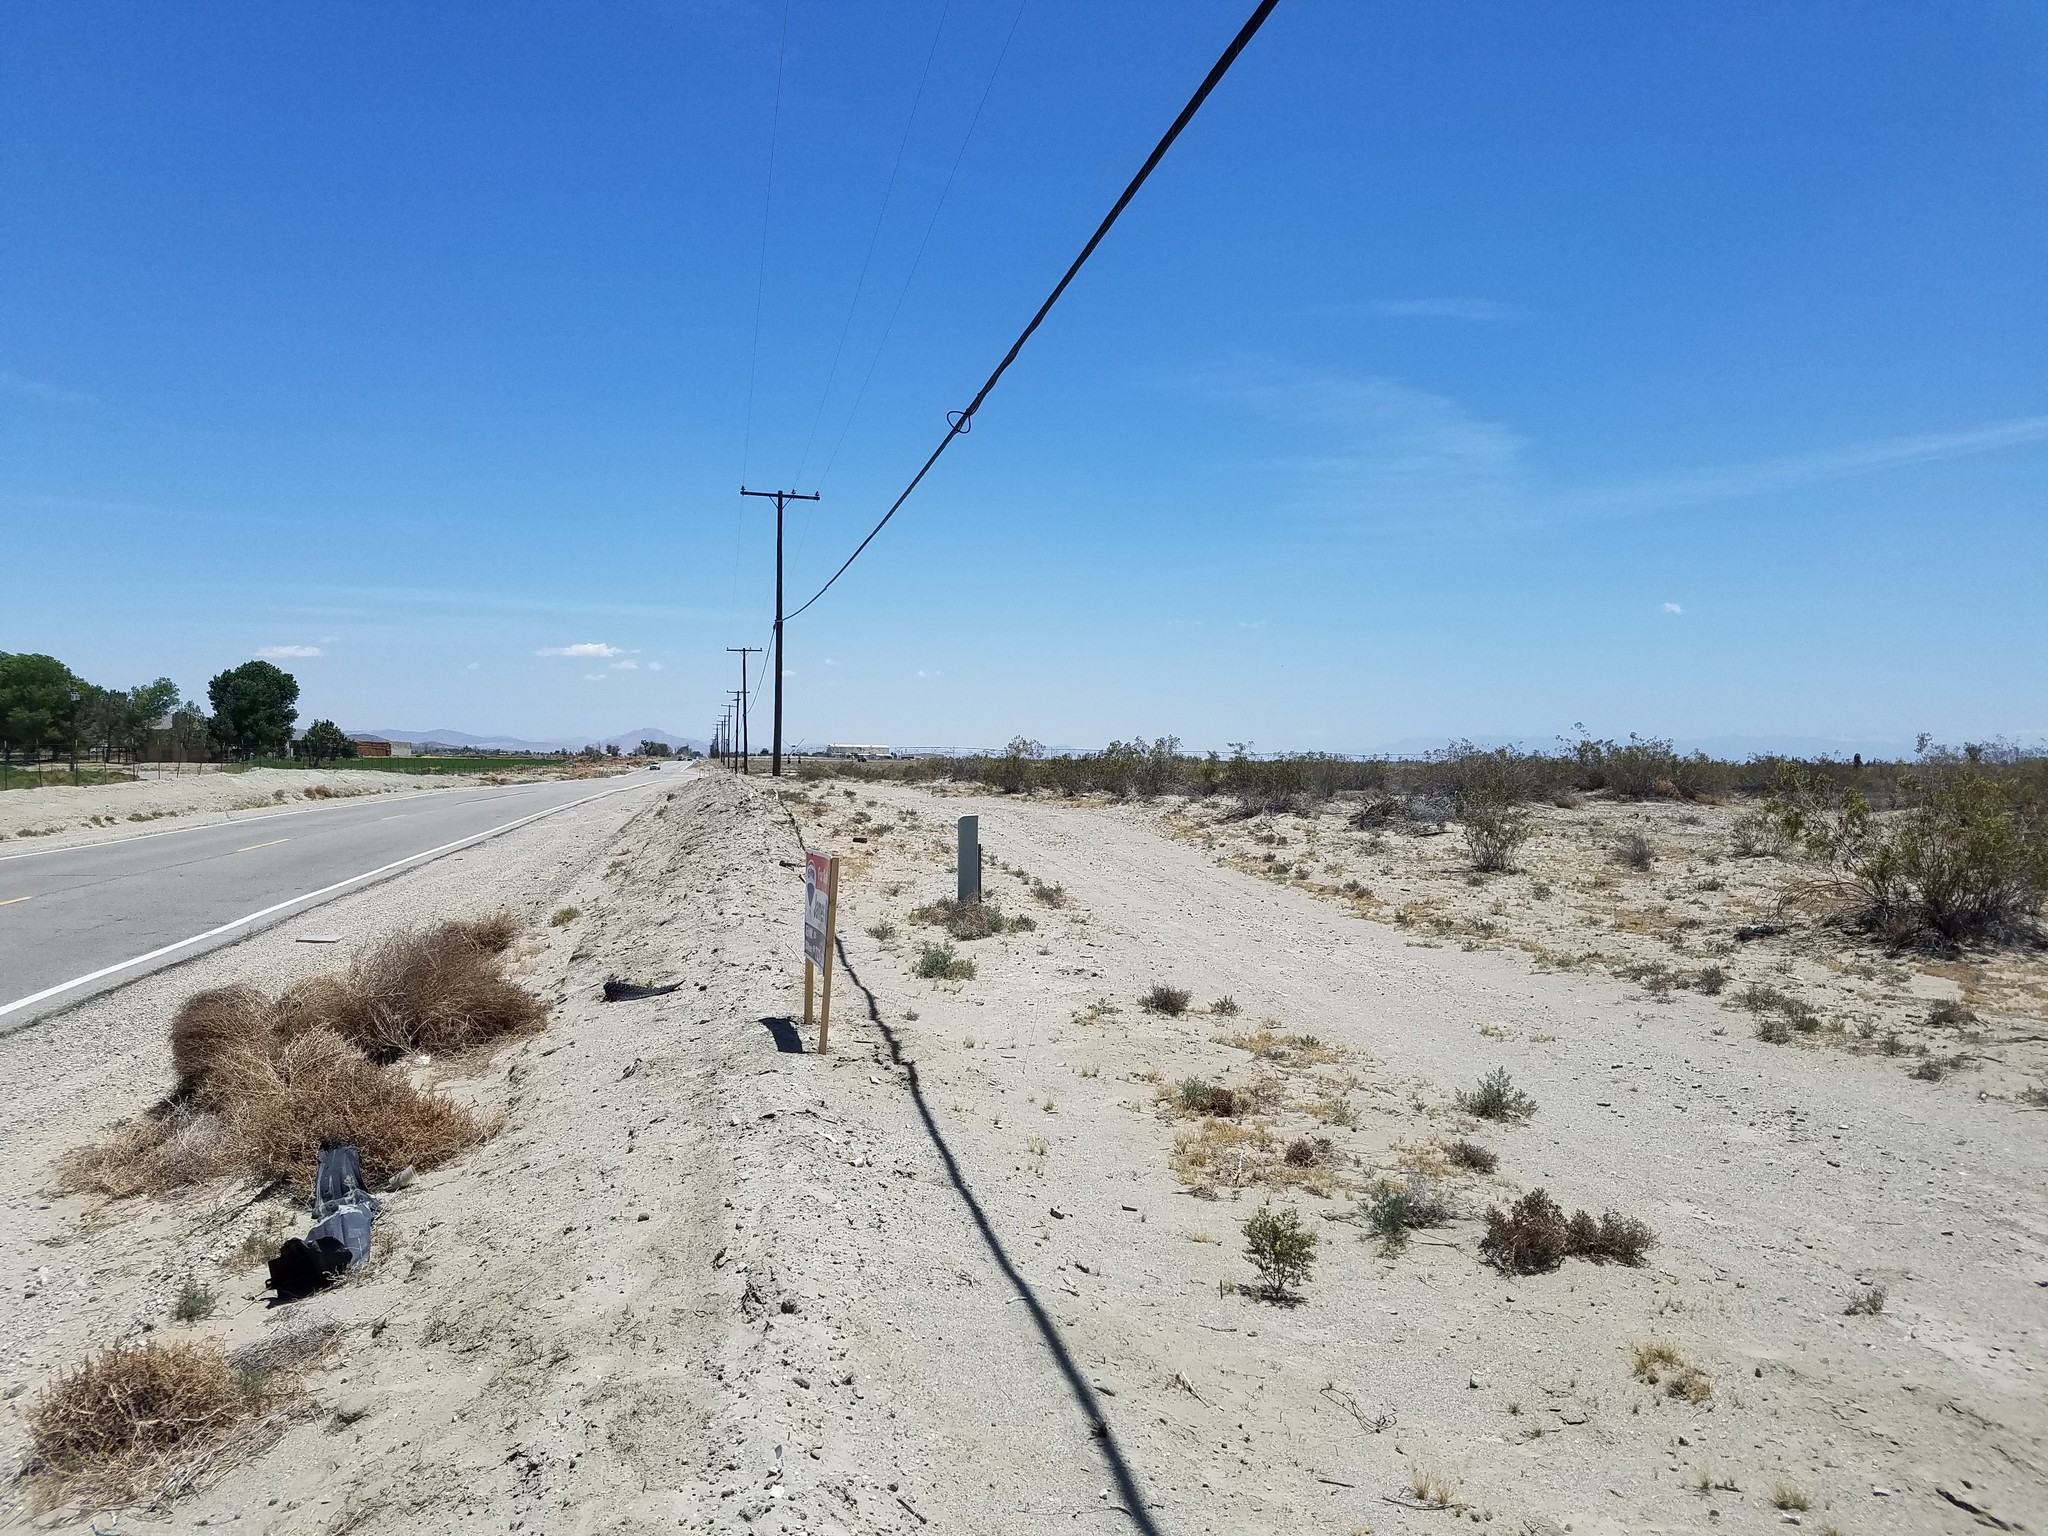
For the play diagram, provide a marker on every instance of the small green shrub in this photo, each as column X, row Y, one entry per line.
column 193, row 1301
column 1051, row 895
column 2035, row 1095
column 1492, row 834
column 564, row 916
column 882, row 932
column 939, row 962
column 962, row 919
column 1711, row 980
column 1496, row 1098
column 1171, row 1001
column 1225, row 1007
column 1281, row 1247
column 1394, row 1210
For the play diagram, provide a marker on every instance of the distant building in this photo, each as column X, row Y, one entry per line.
column 859, row 753
column 378, row 746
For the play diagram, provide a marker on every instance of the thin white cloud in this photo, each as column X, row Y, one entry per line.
column 593, row 677
column 1673, row 608
column 473, row 666
column 628, row 665
column 290, row 650
column 1444, row 309
column 584, row 648
column 1733, row 481
column 1382, row 454
column 654, row 666
column 35, row 389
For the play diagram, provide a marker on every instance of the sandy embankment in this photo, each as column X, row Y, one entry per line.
column 60, row 815
column 949, row 1274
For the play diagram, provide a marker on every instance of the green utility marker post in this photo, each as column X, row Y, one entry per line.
column 969, row 863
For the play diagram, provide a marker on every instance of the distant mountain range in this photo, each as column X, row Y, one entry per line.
column 625, row 741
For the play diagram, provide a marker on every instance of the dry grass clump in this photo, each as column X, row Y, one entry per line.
column 1789, row 1495
column 1171, row 1001
column 1269, row 1044
column 1657, row 1363
column 968, row 919
column 1866, row 1303
column 261, row 1083
column 1534, row 1235
column 1633, row 851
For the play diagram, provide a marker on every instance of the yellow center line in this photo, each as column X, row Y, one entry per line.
column 10, row 901
column 271, row 844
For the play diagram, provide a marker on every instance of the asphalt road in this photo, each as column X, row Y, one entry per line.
column 77, row 921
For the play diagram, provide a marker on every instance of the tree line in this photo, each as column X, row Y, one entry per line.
column 48, row 713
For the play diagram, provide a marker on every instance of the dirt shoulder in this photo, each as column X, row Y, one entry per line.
column 976, row 1270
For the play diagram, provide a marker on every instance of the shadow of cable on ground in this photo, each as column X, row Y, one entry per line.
column 1127, row 1487
column 787, row 1040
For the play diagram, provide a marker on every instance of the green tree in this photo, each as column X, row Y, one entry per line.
column 148, row 705
column 99, row 716
column 38, row 702
column 323, row 741
column 254, row 706
column 190, row 733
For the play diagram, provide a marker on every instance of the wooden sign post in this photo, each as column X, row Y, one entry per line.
column 821, row 924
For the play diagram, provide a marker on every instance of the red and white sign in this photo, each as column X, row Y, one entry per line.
column 817, row 908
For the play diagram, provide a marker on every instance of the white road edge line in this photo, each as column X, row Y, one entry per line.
column 326, row 890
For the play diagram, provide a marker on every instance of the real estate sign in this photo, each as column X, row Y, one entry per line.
column 818, row 908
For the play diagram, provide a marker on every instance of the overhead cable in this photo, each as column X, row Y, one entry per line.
column 960, row 422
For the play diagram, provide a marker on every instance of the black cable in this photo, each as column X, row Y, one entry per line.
column 959, row 422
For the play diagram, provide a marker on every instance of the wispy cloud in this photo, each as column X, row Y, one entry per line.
column 1387, row 453
column 628, row 665
column 583, row 648
column 290, row 650
column 52, row 394
column 1673, row 608
column 1479, row 310
column 1377, row 452
column 1731, row 482
column 654, row 666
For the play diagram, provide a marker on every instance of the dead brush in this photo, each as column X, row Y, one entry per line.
column 1533, row 1235
column 260, row 1084
column 439, row 991
column 1471, row 1155
column 159, row 1416
column 131, row 1403
column 1170, row 1001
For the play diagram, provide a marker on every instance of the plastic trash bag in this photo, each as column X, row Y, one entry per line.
column 339, row 1238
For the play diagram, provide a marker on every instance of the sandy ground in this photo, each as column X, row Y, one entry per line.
column 60, row 815
column 971, row 1272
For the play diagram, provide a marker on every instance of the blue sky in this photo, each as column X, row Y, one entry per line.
column 1474, row 369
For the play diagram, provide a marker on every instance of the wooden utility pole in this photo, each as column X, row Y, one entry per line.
column 775, row 766
column 746, row 745
column 733, row 733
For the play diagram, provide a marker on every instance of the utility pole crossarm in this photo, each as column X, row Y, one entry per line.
column 778, row 497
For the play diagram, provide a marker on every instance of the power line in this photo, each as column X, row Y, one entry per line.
column 960, row 422
column 767, row 203
column 916, row 260
column 874, row 239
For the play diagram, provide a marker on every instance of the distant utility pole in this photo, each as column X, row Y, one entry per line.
column 775, row 768
column 746, row 744
column 733, row 737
